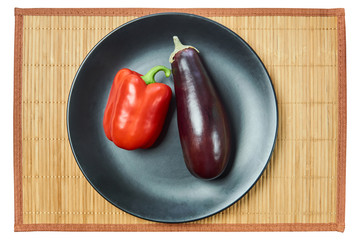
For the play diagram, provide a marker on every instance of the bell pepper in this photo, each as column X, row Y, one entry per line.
column 136, row 108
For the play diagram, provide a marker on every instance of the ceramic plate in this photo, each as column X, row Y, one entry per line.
column 154, row 184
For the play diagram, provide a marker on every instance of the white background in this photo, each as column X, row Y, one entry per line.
column 352, row 12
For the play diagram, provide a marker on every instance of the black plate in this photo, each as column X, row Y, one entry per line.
column 154, row 184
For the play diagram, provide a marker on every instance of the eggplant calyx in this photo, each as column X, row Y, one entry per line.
column 178, row 47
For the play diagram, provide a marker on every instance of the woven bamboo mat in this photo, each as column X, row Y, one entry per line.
column 303, row 187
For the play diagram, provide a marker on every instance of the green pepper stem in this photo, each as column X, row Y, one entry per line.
column 149, row 77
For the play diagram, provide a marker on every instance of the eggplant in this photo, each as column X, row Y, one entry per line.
column 202, row 121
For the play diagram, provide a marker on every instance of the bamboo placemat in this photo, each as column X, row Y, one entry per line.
column 303, row 187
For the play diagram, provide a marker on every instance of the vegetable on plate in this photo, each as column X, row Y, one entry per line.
column 136, row 109
column 202, row 121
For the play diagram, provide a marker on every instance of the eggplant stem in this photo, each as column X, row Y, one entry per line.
column 178, row 47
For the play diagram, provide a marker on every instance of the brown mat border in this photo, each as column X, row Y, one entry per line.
column 18, row 198
column 200, row 11
column 163, row 227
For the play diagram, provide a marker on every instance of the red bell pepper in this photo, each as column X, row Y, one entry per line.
column 136, row 109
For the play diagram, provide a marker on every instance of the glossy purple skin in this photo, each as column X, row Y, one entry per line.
column 202, row 121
